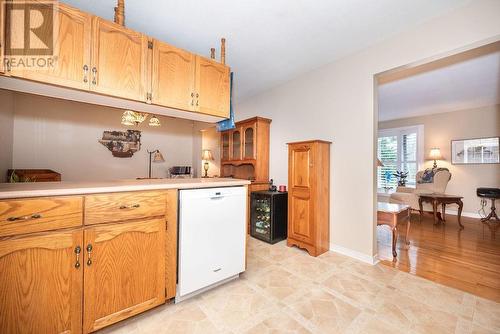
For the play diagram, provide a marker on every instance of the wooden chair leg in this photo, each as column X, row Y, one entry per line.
column 394, row 241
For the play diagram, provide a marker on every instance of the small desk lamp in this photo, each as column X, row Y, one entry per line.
column 435, row 154
column 154, row 156
column 206, row 155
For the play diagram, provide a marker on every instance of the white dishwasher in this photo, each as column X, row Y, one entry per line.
column 212, row 237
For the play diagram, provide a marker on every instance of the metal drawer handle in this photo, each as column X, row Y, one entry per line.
column 78, row 250
column 33, row 216
column 134, row 206
column 85, row 72
column 89, row 252
column 94, row 76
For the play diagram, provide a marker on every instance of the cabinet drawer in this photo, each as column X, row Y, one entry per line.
column 39, row 214
column 106, row 208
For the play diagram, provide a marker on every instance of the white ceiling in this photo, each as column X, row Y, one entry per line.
column 469, row 84
column 272, row 41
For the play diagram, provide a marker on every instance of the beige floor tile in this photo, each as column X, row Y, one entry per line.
column 278, row 322
column 280, row 284
column 308, row 267
column 487, row 314
column 377, row 272
column 377, row 326
column 326, row 312
column 284, row 290
column 360, row 290
column 232, row 305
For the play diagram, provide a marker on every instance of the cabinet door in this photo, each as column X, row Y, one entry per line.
column 236, row 144
column 124, row 271
column 249, row 142
column 119, row 61
column 71, row 65
column 300, row 221
column 173, row 77
column 41, row 283
column 212, row 81
column 225, row 146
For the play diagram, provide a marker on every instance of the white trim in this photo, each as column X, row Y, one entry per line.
column 464, row 214
column 373, row 260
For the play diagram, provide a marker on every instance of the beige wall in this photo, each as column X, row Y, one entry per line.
column 63, row 136
column 440, row 129
column 6, row 132
column 210, row 141
column 336, row 102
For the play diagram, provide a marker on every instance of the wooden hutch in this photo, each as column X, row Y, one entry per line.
column 245, row 152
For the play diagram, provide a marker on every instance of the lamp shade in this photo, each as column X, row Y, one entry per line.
column 206, row 155
column 435, row 154
column 128, row 117
column 158, row 157
column 154, row 121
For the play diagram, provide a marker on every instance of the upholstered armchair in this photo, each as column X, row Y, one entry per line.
column 409, row 196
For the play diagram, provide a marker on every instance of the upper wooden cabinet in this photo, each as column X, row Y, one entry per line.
column 213, row 87
column 93, row 54
column 71, row 65
column 41, row 283
column 119, row 61
column 245, row 150
column 173, row 77
column 124, row 271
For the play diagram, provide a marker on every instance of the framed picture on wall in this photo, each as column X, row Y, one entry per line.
column 475, row 151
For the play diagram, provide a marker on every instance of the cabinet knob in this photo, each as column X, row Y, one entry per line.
column 89, row 254
column 78, row 250
column 85, row 72
column 94, row 76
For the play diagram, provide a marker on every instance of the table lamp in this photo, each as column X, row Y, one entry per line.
column 154, row 156
column 435, row 154
column 206, row 155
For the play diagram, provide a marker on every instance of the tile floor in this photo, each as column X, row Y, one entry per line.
column 286, row 291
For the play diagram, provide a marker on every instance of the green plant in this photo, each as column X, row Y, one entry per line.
column 401, row 176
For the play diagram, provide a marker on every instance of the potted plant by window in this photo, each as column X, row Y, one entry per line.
column 401, row 176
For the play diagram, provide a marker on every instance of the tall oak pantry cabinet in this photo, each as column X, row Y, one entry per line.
column 309, row 196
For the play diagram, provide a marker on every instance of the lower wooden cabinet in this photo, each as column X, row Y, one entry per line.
column 41, row 280
column 92, row 276
column 124, row 271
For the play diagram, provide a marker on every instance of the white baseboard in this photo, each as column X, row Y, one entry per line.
column 464, row 214
column 355, row 254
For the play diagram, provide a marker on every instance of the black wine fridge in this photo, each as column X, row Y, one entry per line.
column 269, row 215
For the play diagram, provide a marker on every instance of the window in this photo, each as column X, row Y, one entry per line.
column 399, row 149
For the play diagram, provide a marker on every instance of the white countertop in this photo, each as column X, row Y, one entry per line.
column 37, row 189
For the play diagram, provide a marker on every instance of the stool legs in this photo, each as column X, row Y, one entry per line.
column 493, row 213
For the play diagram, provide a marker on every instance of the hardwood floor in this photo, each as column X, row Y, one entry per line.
column 467, row 259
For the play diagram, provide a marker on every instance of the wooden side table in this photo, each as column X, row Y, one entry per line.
column 443, row 199
column 391, row 214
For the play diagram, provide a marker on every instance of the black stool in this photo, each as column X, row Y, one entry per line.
column 493, row 194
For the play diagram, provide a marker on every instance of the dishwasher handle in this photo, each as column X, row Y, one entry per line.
column 218, row 195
